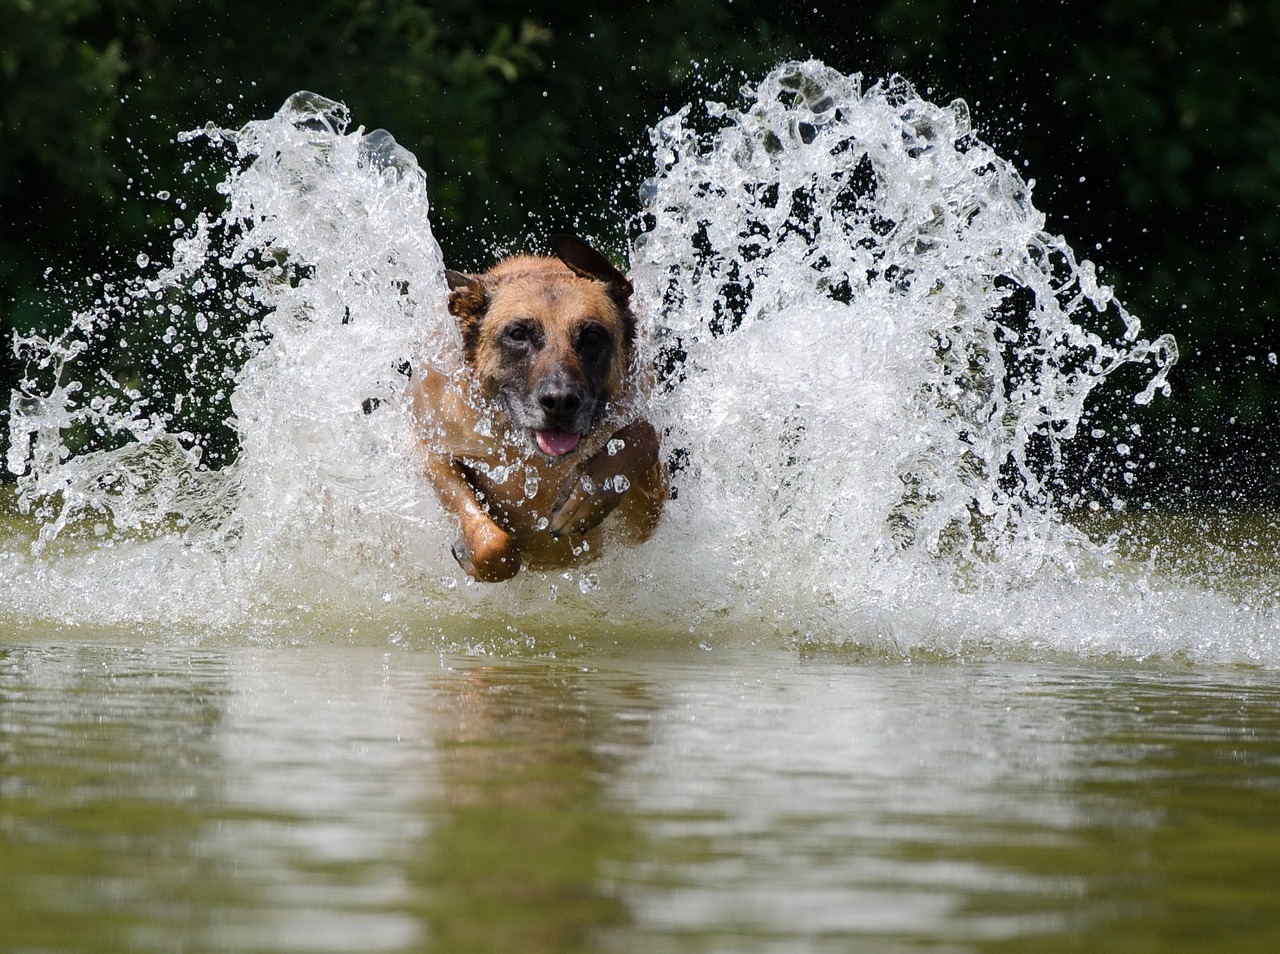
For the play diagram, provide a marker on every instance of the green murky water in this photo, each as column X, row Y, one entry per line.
column 364, row 798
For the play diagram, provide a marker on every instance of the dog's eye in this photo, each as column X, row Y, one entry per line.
column 592, row 336
column 519, row 334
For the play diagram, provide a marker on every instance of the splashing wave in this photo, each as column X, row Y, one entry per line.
column 873, row 353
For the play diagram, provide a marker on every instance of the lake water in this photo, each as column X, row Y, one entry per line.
column 891, row 675
column 637, row 795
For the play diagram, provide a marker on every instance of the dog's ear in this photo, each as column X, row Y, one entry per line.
column 583, row 260
column 458, row 280
column 468, row 301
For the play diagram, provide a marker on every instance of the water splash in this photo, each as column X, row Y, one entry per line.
column 324, row 261
column 873, row 351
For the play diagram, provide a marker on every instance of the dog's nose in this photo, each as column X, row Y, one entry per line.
column 558, row 401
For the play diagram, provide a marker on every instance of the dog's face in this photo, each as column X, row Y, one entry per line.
column 549, row 341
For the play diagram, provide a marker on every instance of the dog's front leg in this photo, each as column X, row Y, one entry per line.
column 486, row 551
column 628, row 468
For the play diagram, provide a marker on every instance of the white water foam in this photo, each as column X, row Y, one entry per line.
column 874, row 352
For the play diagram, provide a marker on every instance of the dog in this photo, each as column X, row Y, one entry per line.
column 536, row 439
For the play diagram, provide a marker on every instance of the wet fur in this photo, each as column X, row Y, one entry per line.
column 548, row 345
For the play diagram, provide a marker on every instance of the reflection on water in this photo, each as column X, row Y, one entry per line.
column 526, row 831
column 350, row 798
column 230, row 803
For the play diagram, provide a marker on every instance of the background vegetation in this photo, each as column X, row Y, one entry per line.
column 1151, row 129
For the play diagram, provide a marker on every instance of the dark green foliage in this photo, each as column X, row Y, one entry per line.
column 1152, row 130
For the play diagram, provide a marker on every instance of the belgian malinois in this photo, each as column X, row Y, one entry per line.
column 536, row 440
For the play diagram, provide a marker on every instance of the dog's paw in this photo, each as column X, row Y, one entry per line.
column 488, row 556
column 598, row 485
column 583, row 503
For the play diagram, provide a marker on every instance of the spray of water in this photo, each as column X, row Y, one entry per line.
column 872, row 356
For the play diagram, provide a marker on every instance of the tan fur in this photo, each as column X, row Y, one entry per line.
column 515, row 506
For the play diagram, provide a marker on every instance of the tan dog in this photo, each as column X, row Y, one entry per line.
column 536, row 440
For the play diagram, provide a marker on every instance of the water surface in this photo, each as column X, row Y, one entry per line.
column 658, row 797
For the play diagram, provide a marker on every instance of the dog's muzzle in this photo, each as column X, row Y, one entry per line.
column 561, row 412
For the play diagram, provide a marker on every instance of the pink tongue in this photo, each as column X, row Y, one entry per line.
column 555, row 443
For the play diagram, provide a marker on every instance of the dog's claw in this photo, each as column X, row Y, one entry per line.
column 459, row 549
column 488, row 558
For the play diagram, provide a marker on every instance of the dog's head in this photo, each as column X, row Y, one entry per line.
column 549, row 339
